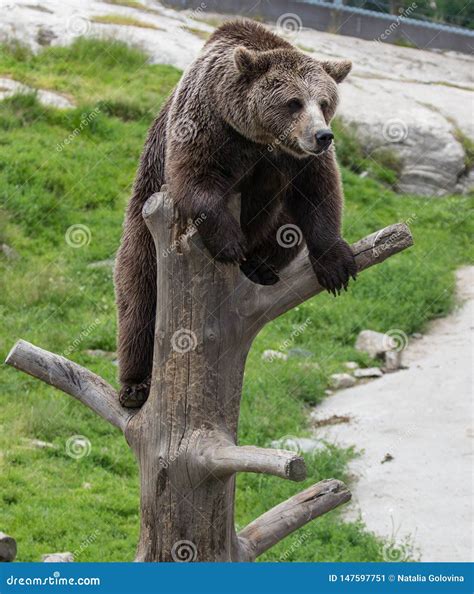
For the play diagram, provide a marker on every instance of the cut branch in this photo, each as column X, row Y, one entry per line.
column 71, row 378
column 226, row 460
column 299, row 283
column 280, row 521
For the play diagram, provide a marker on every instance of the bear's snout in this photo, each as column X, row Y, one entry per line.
column 323, row 138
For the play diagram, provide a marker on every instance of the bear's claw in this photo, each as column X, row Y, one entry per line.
column 335, row 268
column 134, row 395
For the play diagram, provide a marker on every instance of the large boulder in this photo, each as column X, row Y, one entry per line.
column 417, row 103
column 7, row 547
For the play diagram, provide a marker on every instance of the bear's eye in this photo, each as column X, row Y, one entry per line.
column 323, row 104
column 294, row 105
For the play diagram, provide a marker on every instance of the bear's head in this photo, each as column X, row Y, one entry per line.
column 291, row 98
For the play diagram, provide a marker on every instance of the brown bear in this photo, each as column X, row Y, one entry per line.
column 250, row 115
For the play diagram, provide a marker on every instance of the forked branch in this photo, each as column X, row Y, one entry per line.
column 283, row 519
column 299, row 283
column 71, row 378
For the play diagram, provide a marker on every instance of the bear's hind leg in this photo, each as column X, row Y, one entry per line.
column 135, row 275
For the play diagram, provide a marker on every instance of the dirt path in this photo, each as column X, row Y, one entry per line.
column 423, row 418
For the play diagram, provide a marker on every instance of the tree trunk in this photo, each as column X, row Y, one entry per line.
column 185, row 435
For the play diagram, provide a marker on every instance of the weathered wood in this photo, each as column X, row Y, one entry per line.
column 280, row 521
column 7, row 547
column 219, row 457
column 185, row 435
column 71, row 378
column 299, row 283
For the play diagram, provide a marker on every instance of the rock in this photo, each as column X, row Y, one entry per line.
column 387, row 458
column 9, row 252
column 45, row 36
column 40, row 445
column 329, row 392
column 270, row 355
column 351, row 365
column 9, row 87
column 58, row 558
column 392, row 361
column 302, row 445
column 407, row 101
column 7, row 547
column 297, row 352
column 417, row 335
column 342, row 380
column 368, row 372
column 310, row 366
column 465, row 183
column 373, row 343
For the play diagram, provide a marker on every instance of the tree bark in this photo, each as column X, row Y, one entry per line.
column 185, row 435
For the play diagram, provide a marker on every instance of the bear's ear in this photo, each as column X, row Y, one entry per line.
column 249, row 62
column 337, row 69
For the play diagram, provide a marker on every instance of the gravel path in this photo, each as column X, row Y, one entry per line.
column 423, row 418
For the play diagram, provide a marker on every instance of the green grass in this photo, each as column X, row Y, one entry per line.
column 119, row 19
column 382, row 164
column 133, row 4
column 468, row 146
column 52, row 178
column 198, row 32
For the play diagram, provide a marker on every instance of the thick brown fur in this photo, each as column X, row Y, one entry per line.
column 244, row 118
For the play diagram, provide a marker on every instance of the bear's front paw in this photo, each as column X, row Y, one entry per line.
column 259, row 272
column 228, row 248
column 134, row 395
column 335, row 267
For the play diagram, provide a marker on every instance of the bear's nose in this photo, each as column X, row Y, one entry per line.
column 324, row 137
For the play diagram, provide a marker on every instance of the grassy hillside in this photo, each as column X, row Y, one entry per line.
column 65, row 178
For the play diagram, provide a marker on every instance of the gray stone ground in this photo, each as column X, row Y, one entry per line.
column 423, row 418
